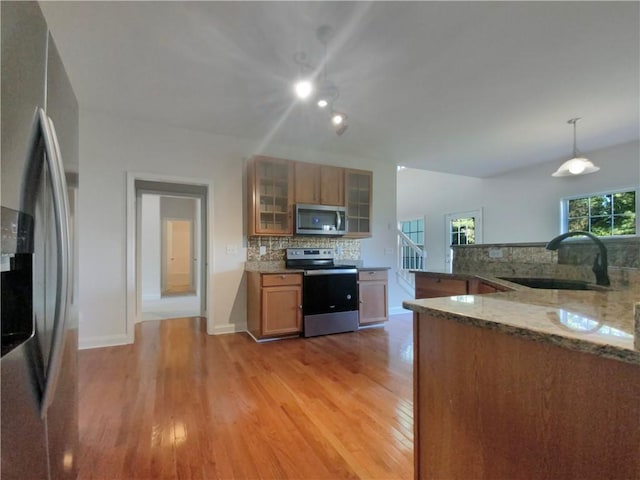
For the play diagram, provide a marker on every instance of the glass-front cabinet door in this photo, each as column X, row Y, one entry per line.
column 271, row 187
column 358, row 186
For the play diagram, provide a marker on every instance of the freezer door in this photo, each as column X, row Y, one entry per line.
column 62, row 412
column 23, row 64
column 24, row 453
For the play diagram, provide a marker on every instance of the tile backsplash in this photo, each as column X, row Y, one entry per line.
column 345, row 248
column 573, row 260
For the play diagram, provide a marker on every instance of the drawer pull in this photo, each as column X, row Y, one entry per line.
column 372, row 273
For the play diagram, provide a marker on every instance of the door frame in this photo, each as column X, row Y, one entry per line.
column 477, row 214
column 133, row 283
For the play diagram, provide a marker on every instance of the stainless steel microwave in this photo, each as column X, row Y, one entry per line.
column 320, row 220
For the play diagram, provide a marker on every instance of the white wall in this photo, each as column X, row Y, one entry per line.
column 520, row 206
column 112, row 146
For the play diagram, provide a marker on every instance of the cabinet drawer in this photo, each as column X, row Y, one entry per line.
column 365, row 275
column 439, row 287
column 278, row 279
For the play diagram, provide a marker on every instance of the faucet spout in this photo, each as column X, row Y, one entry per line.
column 600, row 263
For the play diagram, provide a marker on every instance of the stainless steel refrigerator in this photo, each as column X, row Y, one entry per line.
column 39, row 172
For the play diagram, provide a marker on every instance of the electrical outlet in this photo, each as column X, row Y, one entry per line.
column 388, row 251
column 263, row 250
column 232, row 250
column 495, row 253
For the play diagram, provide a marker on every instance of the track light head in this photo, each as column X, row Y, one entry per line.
column 341, row 129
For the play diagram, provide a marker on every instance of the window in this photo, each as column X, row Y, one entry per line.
column 463, row 231
column 414, row 230
column 462, row 228
column 603, row 214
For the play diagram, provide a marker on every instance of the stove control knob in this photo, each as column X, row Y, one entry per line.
column 348, row 297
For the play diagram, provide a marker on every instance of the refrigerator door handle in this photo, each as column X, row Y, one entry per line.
column 61, row 209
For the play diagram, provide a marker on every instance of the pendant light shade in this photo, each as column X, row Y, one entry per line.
column 578, row 165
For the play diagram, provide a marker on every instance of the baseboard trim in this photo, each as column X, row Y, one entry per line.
column 229, row 328
column 105, row 341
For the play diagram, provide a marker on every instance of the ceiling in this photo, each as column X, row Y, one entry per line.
column 472, row 88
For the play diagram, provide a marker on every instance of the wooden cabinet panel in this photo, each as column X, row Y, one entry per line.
column 477, row 286
column 270, row 188
column 331, row 185
column 358, row 200
column 276, row 280
column 319, row 184
column 281, row 313
column 372, row 275
column 489, row 405
column 372, row 295
column 273, row 304
column 429, row 287
column 307, row 183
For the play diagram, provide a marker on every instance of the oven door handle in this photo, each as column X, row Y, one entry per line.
column 338, row 220
column 337, row 271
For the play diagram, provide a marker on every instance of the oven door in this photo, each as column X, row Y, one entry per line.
column 329, row 291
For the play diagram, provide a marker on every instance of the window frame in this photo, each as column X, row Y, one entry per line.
column 401, row 256
column 564, row 209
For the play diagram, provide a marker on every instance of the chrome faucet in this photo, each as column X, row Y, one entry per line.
column 600, row 263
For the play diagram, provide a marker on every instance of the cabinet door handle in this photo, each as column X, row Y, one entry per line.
column 283, row 276
column 372, row 273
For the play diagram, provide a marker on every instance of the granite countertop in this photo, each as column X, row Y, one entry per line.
column 605, row 323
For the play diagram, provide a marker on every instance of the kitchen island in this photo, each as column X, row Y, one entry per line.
column 527, row 383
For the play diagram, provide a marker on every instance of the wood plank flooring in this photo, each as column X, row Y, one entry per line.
column 180, row 404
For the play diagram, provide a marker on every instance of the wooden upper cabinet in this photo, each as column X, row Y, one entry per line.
column 270, row 189
column 307, row 181
column 319, row 184
column 331, row 185
column 358, row 197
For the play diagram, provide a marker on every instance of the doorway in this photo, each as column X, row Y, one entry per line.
column 170, row 249
column 463, row 228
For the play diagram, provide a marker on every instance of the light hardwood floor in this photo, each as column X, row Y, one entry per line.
column 181, row 404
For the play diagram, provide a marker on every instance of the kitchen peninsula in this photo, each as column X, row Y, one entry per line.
column 526, row 383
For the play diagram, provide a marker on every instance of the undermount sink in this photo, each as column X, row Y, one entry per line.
column 550, row 283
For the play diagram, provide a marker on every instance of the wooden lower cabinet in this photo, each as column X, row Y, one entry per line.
column 274, row 304
column 430, row 286
column 372, row 294
column 490, row 405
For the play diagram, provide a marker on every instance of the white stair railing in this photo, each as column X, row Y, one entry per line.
column 410, row 257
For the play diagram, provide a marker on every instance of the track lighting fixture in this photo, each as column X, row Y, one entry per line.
column 578, row 165
column 316, row 85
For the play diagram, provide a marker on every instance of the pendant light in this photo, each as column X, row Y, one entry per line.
column 578, row 165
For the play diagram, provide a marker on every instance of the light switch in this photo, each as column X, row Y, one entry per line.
column 388, row 251
column 495, row 253
column 232, row 250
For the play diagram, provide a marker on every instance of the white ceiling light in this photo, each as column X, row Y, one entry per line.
column 303, row 89
column 338, row 118
column 578, row 165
